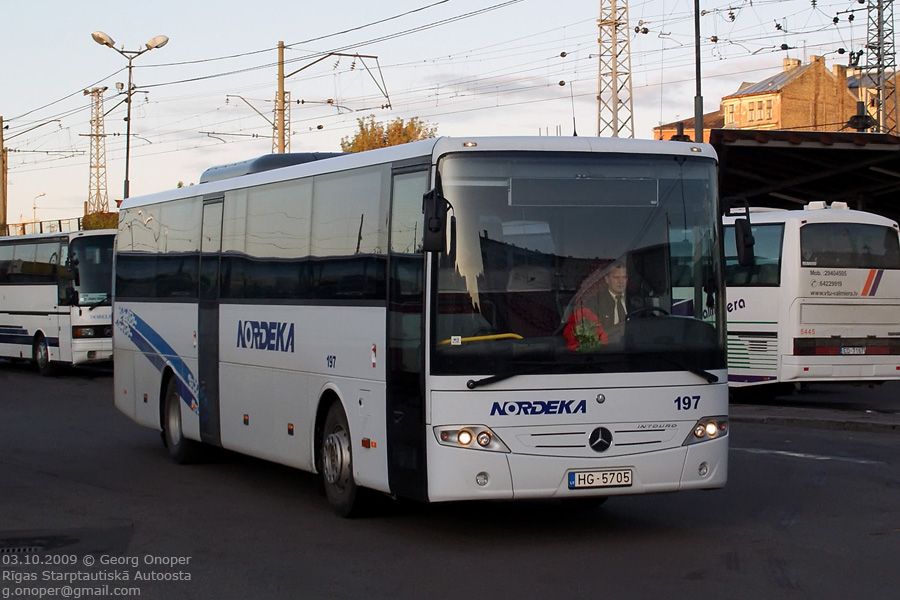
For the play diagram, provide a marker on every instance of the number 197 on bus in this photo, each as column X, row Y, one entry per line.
column 687, row 402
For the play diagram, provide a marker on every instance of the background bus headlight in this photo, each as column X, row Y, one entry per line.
column 91, row 331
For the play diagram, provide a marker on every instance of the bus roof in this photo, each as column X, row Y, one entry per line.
column 817, row 214
column 59, row 234
column 259, row 171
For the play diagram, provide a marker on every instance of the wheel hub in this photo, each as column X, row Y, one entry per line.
column 337, row 457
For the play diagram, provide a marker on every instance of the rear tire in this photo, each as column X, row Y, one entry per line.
column 181, row 450
column 40, row 355
column 337, row 464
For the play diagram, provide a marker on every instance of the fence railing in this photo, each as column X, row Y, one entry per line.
column 53, row 226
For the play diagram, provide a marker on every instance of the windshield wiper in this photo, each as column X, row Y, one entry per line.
column 709, row 377
column 104, row 301
column 474, row 383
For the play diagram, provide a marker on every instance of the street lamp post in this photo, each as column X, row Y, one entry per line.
column 34, row 227
column 104, row 40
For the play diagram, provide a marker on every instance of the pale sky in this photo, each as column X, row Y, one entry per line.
column 469, row 67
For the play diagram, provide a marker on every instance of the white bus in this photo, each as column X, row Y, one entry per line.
column 56, row 298
column 821, row 303
column 313, row 316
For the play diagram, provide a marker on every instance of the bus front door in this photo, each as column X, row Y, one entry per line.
column 208, row 322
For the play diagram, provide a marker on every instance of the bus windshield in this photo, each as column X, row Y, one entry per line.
column 574, row 263
column 92, row 256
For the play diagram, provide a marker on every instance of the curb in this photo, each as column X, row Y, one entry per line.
column 868, row 422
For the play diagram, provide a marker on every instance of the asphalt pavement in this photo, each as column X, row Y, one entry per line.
column 824, row 406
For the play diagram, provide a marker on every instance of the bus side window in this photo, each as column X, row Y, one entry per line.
column 6, row 259
column 64, row 282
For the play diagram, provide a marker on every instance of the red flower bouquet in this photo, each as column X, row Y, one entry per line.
column 584, row 333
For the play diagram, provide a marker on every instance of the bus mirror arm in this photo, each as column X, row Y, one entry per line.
column 434, row 207
column 72, row 270
column 743, row 239
column 743, row 234
column 710, row 288
column 448, row 259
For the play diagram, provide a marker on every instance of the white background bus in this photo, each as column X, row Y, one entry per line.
column 820, row 304
column 313, row 316
column 55, row 298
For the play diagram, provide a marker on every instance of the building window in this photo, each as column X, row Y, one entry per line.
column 768, row 109
column 751, row 113
column 729, row 114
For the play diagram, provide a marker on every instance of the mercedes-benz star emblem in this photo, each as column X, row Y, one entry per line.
column 600, row 439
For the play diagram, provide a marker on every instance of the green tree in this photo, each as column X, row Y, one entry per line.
column 100, row 221
column 373, row 135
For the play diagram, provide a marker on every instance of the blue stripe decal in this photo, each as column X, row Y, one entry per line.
column 159, row 353
column 11, row 334
column 876, row 282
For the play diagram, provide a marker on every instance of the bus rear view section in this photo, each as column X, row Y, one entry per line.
column 55, row 298
column 819, row 304
column 314, row 316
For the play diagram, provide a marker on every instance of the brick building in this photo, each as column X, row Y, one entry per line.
column 801, row 97
column 711, row 121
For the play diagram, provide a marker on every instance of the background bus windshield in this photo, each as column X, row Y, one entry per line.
column 566, row 263
column 92, row 255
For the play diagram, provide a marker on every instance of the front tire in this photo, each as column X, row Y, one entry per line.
column 181, row 450
column 41, row 357
column 337, row 464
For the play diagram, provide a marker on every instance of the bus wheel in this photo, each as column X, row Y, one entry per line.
column 182, row 450
column 41, row 356
column 337, row 463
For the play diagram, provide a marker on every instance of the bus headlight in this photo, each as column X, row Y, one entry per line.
column 91, row 331
column 464, row 437
column 707, row 428
column 476, row 437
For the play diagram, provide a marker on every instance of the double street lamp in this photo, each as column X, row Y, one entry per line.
column 104, row 40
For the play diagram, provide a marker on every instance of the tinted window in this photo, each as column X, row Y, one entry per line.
column 46, row 262
column 6, row 261
column 265, row 242
column 159, row 251
column 766, row 270
column 849, row 245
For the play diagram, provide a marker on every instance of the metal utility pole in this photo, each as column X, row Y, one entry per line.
column 882, row 63
column 698, row 97
column 3, row 169
column 283, row 138
column 615, row 107
column 98, row 201
column 280, row 141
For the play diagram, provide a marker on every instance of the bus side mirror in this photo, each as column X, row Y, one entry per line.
column 434, row 207
column 71, row 297
column 72, row 269
column 743, row 239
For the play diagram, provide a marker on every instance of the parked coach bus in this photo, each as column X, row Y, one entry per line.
column 312, row 315
column 55, row 298
column 821, row 303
